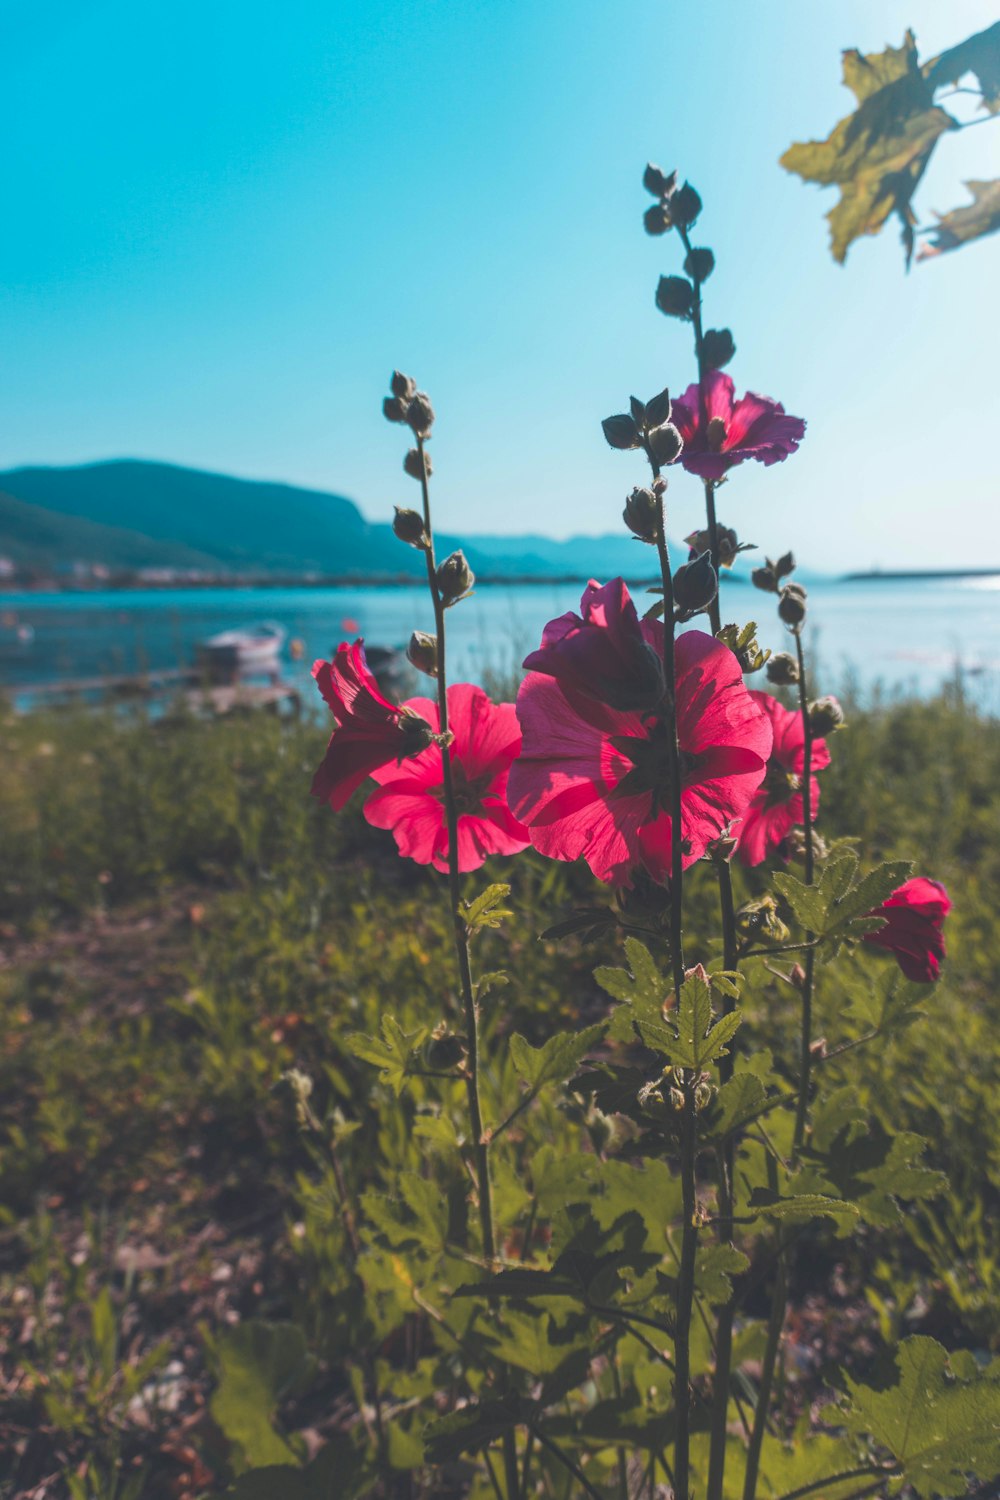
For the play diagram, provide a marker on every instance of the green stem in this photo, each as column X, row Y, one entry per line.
column 567, row 1463
column 685, row 1301
column 802, row 1111
column 863, row 1472
column 480, row 1147
column 673, row 749
column 760, row 1415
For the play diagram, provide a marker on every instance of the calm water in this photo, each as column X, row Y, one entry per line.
column 905, row 636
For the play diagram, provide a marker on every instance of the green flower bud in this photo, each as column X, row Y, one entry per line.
column 641, row 514
column 420, row 414
column 695, row 585
column 763, row 578
column 422, row 652
column 417, row 464
column 661, row 184
column 665, row 444
column 825, row 716
column 717, row 348
column 408, row 525
column 792, row 604
column 394, row 409
column 402, row 386
column 699, row 264
column 621, row 431
column 685, row 206
column 656, row 219
column 783, row 670
column 455, row 578
column 675, row 296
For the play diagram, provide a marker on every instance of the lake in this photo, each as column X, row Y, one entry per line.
column 903, row 636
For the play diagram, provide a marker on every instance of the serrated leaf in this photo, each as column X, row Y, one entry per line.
column 940, row 1429
column 688, row 1036
column 641, row 989
column 392, row 1053
column 557, row 1059
column 738, row 1101
column 807, row 904
column 259, row 1365
column 970, row 222
column 493, row 979
column 888, row 1003
column 878, row 154
column 766, row 1204
column 486, row 910
column 715, row 1265
column 869, row 893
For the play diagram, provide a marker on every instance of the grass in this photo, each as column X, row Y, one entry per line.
column 182, row 926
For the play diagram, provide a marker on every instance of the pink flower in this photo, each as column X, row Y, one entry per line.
column 777, row 807
column 370, row 730
column 752, row 427
column 592, row 781
column 914, row 914
column 604, row 654
column 410, row 800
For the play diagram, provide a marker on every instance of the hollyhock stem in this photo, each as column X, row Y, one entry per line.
column 673, row 747
column 480, row 1148
column 807, row 985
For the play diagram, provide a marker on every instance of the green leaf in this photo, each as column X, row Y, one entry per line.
column 869, row 893
column 806, row 902
column 475, row 1426
column 979, row 54
column 584, row 921
column 738, row 1101
column 766, row 1204
column 687, row 1036
column 715, row 1265
column 394, row 1054
column 889, row 1004
column 878, row 154
column 939, row 1428
column 336, row 1473
column 971, row 222
column 259, row 1366
column 641, row 989
column 557, row 1059
column 486, row 910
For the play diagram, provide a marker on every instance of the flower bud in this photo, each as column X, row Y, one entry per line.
column 638, row 410
column 717, row 348
column 408, row 525
column 728, row 543
column 760, row 919
column 783, row 670
column 763, row 578
column 454, row 578
column 393, row 409
column 641, row 514
column 402, row 386
column 784, row 565
column 420, row 414
column 825, row 716
column 422, row 652
column 661, row 184
column 665, row 444
column 797, row 976
column 675, row 296
column 417, row 464
column 621, row 431
column 658, row 409
column 445, row 1050
column 794, row 846
column 676, row 1099
column 699, row 264
column 656, row 219
column 685, row 206
column 417, row 734
column 792, row 604
column 702, row 1096
column 721, row 850
column 695, row 584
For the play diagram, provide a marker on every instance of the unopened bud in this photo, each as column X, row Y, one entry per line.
column 676, row 1099
column 658, row 409
column 792, row 604
column 825, row 716
column 783, row 670
column 408, row 525
column 422, row 652
column 402, row 386
column 641, row 514
column 728, row 544
column 661, row 184
column 454, row 578
column 721, row 850
column 797, row 976
column 784, row 565
column 763, row 578
column 420, row 414
column 702, row 1096
column 418, row 464
column 699, row 264
column 695, row 584
column 656, row 219
column 717, row 348
column 665, row 444
column 675, row 296
column 795, row 845
column 445, row 1051
column 685, row 206
column 393, row 409
column 417, row 734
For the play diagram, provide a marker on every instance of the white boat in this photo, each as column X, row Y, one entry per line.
column 242, row 653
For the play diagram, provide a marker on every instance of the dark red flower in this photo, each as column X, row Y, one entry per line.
column 592, row 780
column 603, row 653
column 732, row 431
column 777, row 806
column 370, row 730
column 409, row 801
column 914, row 914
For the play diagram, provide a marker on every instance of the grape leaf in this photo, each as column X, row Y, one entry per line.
column 555, row 1060
column 641, row 989
column 938, row 1427
column 392, row 1053
column 688, row 1036
column 486, row 910
column 877, row 154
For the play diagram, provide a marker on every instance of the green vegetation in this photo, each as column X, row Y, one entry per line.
column 193, row 1150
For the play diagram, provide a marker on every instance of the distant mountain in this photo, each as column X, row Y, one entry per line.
column 130, row 514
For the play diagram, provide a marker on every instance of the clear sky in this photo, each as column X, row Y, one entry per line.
column 226, row 222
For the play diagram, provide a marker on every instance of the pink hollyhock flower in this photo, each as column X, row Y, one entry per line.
column 603, row 654
column 410, row 800
column 370, row 730
column 592, row 780
column 914, row 914
column 752, row 427
column 777, row 807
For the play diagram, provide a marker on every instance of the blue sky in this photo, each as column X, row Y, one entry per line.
column 225, row 223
